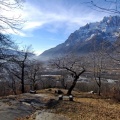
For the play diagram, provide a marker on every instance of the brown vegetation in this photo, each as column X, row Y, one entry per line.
column 84, row 107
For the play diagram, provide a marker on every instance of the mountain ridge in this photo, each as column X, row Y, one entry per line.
column 81, row 41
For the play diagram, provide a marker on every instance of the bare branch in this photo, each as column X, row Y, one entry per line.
column 10, row 22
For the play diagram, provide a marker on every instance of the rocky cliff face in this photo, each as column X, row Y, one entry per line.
column 85, row 38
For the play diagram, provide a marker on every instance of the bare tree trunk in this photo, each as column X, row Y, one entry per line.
column 99, row 87
column 22, row 80
column 4, row 91
column 71, row 65
column 14, row 87
column 72, row 86
column 14, row 91
column 99, row 91
column 76, row 77
column 34, row 86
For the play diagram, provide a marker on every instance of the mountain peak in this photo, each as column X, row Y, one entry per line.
column 81, row 41
column 112, row 21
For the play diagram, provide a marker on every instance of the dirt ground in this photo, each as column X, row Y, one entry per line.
column 45, row 106
column 26, row 105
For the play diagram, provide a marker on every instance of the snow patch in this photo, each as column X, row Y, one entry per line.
column 104, row 30
column 117, row 34
column 90, row 37
column 108, row 21
column 67, row 45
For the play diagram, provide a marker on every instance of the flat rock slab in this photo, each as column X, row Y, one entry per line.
column 11, row 112
column 49, row 116
column 12, row 107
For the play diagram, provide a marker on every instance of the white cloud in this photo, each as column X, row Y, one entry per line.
column 61, row 17
column 55, row 16
column 32, row 25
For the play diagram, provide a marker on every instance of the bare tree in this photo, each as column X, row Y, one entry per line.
column 63, row 78
column 114, row 53
column 34, row 72
column 10, row 22
column 109, row 6
column 97, row 70
column 5, row 44
column 12, row 83
column 72, row 65
column 20, row 63
column 99, row 58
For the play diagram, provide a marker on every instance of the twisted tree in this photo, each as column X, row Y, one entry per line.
column 73, row 65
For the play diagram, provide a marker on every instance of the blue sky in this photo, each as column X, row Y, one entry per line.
column 50, row 22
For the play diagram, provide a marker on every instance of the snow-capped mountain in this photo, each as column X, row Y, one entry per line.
column 81, row 41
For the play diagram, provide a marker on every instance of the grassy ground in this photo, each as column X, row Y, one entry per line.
column 88, row 109
column 85, row 107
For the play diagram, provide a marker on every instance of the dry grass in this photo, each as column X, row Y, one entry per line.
column 85, row 107
column 88, row 109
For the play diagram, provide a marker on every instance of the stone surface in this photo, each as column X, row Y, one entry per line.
column 49, row 116
column 19, row 106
